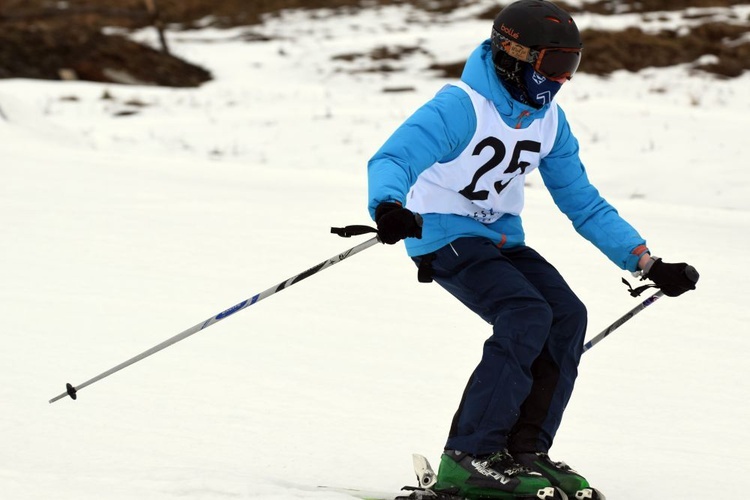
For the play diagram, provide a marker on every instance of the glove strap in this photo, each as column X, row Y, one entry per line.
column 643, row 273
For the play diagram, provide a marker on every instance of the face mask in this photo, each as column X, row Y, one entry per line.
column 540, row 90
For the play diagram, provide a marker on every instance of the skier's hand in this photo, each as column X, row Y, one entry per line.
column 396, row 223
column 673, row 279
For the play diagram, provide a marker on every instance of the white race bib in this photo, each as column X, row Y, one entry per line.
column 486, row 180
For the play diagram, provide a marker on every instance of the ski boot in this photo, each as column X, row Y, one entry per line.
column 494, row 477
column 560, row 475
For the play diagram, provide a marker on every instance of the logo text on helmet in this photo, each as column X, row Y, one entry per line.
column 509, row 31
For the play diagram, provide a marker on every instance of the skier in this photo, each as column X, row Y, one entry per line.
column 449, row 182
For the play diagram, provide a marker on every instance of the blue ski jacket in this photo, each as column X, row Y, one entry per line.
column 442, row 128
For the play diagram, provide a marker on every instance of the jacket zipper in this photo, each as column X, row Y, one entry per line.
column 523, row 115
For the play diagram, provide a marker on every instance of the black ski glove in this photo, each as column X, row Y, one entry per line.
column 672, row 279
column 396, row 223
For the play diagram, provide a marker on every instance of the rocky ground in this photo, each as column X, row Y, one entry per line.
column 51, row 39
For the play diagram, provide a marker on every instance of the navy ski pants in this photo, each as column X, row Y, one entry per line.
column 516, row 396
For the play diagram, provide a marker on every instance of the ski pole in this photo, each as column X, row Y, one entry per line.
column 618, row 323
column 689, row 272
column 72, row 391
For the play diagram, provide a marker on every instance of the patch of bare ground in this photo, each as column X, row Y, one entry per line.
column 53, row 39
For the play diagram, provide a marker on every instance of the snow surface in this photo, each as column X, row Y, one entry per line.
column 122, row 231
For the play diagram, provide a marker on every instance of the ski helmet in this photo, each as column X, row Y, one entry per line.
column 540, row 33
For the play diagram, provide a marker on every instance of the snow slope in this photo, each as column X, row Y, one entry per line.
column 121, row 231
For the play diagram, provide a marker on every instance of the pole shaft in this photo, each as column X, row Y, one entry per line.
column 228, row 312
column 622, row 319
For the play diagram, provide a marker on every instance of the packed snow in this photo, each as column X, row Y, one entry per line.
column 130, row 214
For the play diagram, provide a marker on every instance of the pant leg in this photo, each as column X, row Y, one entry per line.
column 555, row 370
column 476, row 272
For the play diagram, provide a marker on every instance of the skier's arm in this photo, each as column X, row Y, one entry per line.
column 592, row 216
column 438, row 131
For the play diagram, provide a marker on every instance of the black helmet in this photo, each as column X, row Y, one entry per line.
column 538, row 32
column 538, row 24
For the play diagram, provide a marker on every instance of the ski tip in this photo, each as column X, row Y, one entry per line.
column 72, row 392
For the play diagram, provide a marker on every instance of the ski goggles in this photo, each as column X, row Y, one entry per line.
column 557, row 64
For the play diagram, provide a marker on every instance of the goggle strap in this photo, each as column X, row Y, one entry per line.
column 515, row 49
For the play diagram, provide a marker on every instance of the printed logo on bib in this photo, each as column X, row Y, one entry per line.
column 517, row 166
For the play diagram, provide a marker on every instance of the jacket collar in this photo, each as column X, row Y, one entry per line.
column 479, row 73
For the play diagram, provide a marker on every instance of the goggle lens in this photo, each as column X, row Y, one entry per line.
column 557, row 63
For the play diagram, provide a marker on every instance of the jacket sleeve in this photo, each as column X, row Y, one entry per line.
column 592, row 216
column 438, row 131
